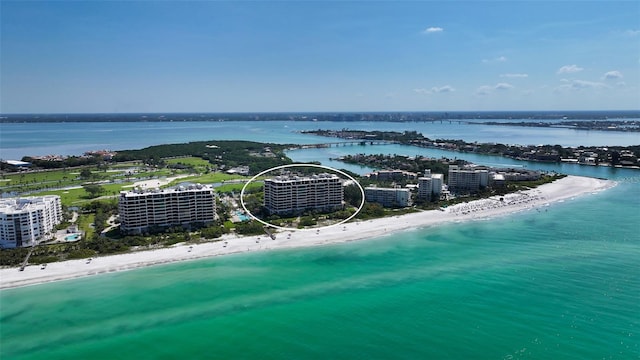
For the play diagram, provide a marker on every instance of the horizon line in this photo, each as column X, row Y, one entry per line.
column 315, row 112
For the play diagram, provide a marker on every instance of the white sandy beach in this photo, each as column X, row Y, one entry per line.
column 565, row 188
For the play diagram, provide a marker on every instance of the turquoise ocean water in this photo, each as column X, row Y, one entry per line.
column 562, row 282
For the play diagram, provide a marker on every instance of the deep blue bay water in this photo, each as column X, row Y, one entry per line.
column 559, row 283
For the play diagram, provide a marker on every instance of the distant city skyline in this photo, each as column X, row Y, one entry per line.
column 295, row 56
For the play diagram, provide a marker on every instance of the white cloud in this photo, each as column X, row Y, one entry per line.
column 612, row 75
column 503, row 86
column 583, row 84
column 435, row 90
column 632, row 32
column 432, row 30
column 484, row 90
column 514, row 75
column 569, row 69
column 577, row 85
column 443, row 89
column 488, row 89
column 498, row 59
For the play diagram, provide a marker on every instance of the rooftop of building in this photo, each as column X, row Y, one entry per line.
column 17, row 163
column 179, row 188
column 293, row 177
column 24, row 203
column 432, row 176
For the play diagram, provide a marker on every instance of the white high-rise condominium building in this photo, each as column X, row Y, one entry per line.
column 430, row 186
column 288, row 194
column 27, row 221
column 184, row 205
column 437, row 180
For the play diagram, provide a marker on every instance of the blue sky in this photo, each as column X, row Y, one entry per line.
column 216, row 56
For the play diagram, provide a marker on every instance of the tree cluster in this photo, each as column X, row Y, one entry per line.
column 224, row 154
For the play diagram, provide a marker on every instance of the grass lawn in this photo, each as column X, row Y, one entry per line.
column 209, row 178
column 157, row 172
column 85, row 222
column 190, row 161
column 76, row 197
column 69, row 197
column 54, row 178
column 39, row 182
column 238, row 187
column 126, row 165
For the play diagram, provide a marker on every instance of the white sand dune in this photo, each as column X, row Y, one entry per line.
column 564, row 188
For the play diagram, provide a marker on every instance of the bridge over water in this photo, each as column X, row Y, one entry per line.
column 348, row 143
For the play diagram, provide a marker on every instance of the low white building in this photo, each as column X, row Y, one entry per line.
column 388, row 197
column 29, row 220
column 392, row 175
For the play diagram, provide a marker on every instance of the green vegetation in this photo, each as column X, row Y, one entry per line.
column 79, row 196
column 81, row 254
column 249, row 228
column 353, row 195
column 306, row 221
column 513, row 186
column 236, row 188
column 197, row 158
column 401, row 137
column 371, row 211
column 71, row 161
column 210, row 178
column 213, row 232
column 220, row 154
column 93, row 190
column 416, row 164
column 190, row 161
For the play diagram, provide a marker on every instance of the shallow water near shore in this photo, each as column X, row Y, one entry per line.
column 558, row 282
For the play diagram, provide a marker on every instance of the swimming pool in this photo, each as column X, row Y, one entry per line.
column 242, row 216
column 72, row 237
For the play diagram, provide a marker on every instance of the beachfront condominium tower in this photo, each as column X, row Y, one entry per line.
column 430, row 186
column 27, row 221
column 141, row 210
column 464, row 179
column 291, row 194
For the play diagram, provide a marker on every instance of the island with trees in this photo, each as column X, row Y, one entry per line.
column 617, row 156
column 599, row 125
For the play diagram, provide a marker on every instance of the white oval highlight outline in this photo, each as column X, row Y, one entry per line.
column 300, row 165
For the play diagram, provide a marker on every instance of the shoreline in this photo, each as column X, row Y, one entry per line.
column 493, row 207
